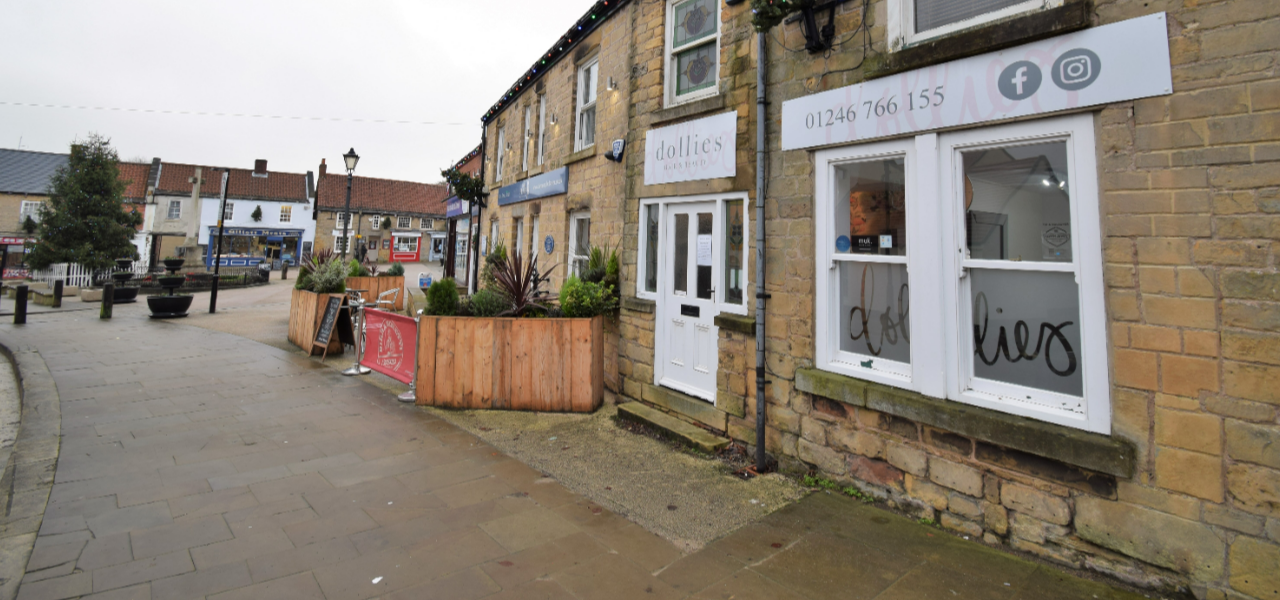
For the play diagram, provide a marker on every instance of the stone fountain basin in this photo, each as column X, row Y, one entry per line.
column 171, row 281
column 169, row 307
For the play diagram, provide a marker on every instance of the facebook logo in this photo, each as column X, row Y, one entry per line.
column 1019, row 80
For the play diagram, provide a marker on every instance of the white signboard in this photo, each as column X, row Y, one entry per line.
column 1112, row 63
column 700, row 149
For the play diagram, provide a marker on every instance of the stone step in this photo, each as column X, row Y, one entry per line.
column 686, row 432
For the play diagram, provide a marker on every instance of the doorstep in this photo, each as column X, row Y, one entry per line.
column 685, row 432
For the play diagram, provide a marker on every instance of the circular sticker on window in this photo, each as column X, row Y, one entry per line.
column 843, row 243
column 549, row 244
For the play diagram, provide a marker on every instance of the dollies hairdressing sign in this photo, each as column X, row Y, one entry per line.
column 1112, row 63
column 699, row 149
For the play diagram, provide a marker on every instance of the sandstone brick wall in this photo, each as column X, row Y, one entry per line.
column 1191, row 203
column 11, row 211
column 595, row 184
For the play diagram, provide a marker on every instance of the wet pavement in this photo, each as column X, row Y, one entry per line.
column 196, row 463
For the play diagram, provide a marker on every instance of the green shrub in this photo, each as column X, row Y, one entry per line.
column 331, row 278
column 580, row 298
column 487, row 303
column 396, row 270
column 355, row 269
column 496, row 256
column 304, row 279
column 442, row 298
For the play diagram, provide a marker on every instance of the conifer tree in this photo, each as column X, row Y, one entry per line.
column 84, row 220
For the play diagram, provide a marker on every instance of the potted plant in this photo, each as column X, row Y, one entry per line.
column 173, row 263
column 508, row 347
column 365, row 276
column 322, row 275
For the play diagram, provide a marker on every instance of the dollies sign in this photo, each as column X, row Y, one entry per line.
column 698, row 149
column 1100, row 65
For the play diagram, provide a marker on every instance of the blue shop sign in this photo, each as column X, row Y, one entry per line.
column 540, row 186
column 455, row 207
column 247, row 232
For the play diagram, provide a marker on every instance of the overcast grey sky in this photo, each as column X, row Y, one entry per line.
column 424, row 60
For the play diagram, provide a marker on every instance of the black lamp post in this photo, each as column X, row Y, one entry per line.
column 351, row 158
column 217, row 258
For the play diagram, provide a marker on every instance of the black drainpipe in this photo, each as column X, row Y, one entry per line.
column 761, row 296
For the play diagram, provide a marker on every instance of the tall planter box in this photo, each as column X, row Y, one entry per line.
column 553, row 365
column 306, row 310
column 377, row 285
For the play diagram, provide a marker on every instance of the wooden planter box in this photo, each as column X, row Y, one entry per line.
column 377, row 285
column 554, row 365
column 306, row 309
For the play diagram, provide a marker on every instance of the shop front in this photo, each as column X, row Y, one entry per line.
column 405, row 246
column 248, row 247
column 13, row 252
column 458, row 242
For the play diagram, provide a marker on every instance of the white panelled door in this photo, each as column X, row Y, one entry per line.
column 687, row 336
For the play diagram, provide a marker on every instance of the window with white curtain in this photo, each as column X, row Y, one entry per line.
column 1003, row 310
column 29, row 209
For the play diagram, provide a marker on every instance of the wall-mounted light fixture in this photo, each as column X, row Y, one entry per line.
column 554, row 120
column 613, row 85
column 508, row 146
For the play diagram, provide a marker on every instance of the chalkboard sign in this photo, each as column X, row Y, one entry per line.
column 326, row 324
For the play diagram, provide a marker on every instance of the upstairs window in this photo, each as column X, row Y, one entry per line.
column 913, row 21
column 342, row 220
column 542, row 126
column 427, row 223
column 228, row 210
column 286, row 214
column 404, row 222
column 588, row 78
column 29, row 209
column 528, row 137
column 175, row 209
column 693, row 49
column 376, row 222
column 502, row 153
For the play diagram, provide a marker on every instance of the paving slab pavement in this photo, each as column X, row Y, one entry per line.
column 196, row 463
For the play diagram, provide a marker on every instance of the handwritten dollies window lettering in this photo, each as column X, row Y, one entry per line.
column 1002, row 310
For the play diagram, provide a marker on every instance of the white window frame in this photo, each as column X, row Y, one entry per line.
column 718, row 249
column 376, row 223
column 942, row 363
column 527, row 139
column 425, row 223
column 229, row 211
column 340, row 243
column 286, row 214
column 574, row 217
column 403, row 222
column 672, row 75
column 501, row 151
column 29, row 208
column 517, row 225
column 175, row 210
column 542, row 127
column 494, row 236
column 587, row 72
column 901, row 17
column 533, row 236
column 339, row 220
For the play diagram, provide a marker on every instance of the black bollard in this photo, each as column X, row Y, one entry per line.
column 20, row 306
column 108, row 300
column 213, row 296
column 284, row 272
column 57, row 294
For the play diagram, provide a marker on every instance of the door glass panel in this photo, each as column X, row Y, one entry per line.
column 1026, row 329
column 1017, row 203
column 704, row 253
column 734, row 257
column 680, row 258
column 870, row 208
column 874, row 311
column 651, row 249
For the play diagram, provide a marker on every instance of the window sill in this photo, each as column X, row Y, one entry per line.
column 989, row 37
column 639, row 305
column 735, row 323
column 1090, row 451
column 581, row 155
column 681, row 111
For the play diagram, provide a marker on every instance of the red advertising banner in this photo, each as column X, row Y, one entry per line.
column 391, row 344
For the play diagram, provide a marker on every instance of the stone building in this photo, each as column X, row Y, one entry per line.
column 555, row 189
column 414, row 211
column 1021, row 260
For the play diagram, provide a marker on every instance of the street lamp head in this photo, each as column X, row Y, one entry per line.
column 352, row 158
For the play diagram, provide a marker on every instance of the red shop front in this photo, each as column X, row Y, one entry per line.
column 406, row 246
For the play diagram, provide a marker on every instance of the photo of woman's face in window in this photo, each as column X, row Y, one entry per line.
column 868, row 212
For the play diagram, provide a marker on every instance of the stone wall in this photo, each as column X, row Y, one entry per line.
column 1192, row 223
column 11, row 212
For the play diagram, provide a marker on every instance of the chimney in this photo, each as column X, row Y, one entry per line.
column 323, row 169
column 260, row 167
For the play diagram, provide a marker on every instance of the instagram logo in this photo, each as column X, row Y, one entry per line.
column 1076, row 69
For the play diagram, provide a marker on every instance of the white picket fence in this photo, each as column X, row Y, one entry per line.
column 76, row 274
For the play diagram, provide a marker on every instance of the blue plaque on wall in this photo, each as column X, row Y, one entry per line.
column 549, row 244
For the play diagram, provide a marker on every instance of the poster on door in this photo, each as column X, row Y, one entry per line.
column 391, row 344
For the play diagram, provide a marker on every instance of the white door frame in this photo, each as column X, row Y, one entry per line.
column 661, row 306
